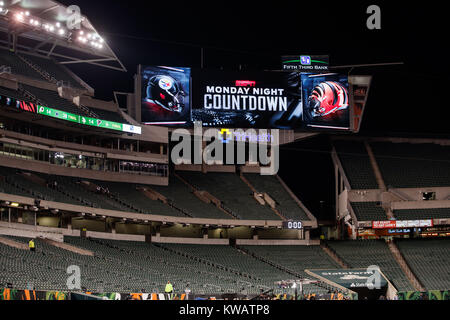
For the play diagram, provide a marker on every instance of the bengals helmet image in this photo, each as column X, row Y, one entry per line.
column 165, row 92
column 327, row 98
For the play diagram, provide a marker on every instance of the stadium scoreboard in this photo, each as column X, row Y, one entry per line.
column 292, row 225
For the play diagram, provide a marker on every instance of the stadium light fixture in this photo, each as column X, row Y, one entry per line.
column 3, row 11
column 19, row 17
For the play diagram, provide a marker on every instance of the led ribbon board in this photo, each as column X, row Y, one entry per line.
column 62, row 115
column 99, row 123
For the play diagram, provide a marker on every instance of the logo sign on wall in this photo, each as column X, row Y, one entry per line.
column 305, row 63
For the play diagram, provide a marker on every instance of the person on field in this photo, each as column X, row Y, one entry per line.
column 169, row 287
column 32, row 245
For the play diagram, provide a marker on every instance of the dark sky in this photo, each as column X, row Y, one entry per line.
column 404, row 100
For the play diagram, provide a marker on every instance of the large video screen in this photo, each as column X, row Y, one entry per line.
column 272, row 100
column 326, row 101
column 166, row 96
column 250, row 100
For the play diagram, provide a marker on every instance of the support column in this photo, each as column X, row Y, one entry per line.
column 307, row 234
column 255, row 234
column 375, row 167
column 158, row 232
column 336, row 186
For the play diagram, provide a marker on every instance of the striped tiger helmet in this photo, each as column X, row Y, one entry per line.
column 326, row 98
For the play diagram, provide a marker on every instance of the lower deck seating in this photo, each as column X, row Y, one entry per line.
column 365, row 253
column 129, row 266
column 429, row 260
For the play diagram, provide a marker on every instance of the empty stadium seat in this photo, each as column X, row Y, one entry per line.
column 356, row 164
column 429, row 260
column 285, row 203
column 420, row 214
column 54, row 69
column 405, row 165
column 53, row 100
column 369, row 211
column 233, row 192
column 365, row 253
column 10, row 59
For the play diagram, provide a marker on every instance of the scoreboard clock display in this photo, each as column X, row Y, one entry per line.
column 293, row 225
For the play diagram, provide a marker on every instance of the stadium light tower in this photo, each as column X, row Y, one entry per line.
column 44, row 27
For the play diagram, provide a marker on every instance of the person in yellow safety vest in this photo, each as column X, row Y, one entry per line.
column 169, row 287
column 31, row 245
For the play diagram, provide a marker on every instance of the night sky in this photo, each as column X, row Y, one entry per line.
column 406, row 100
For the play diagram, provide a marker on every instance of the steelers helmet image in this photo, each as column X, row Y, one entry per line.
column 165, row 92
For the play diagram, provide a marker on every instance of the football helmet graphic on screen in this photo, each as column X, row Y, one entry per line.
column 164, row 91
column 327, row 98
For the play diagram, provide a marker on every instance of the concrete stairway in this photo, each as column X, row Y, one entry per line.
column 333, row 255
column 68, row 247
column 273, row 207
column 206, row 197
column 14, row 244
column 376, row 169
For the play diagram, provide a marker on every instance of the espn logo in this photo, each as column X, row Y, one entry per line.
column 245, row 83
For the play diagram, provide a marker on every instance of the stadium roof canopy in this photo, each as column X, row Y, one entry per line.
column 49, row 28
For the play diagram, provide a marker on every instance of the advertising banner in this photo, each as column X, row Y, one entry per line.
column 384, row 224
column 352, row 278
column 414, row 223
column 305, row 63
column 428, row 295
column 6, row 101
column 394, row 224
